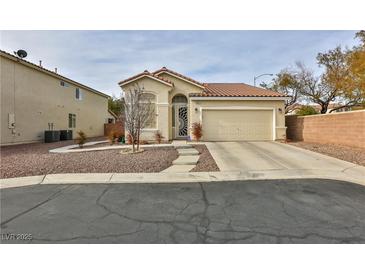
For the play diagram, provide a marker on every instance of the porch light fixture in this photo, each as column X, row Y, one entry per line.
column 280, row 110
column 196, row 109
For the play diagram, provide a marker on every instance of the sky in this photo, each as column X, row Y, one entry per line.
column 100, row 59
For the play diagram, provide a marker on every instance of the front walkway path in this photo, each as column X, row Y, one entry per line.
column 187, row 160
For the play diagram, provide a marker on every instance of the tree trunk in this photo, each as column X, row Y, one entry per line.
column 133, row 147
column 324, row 109
column 138, row 136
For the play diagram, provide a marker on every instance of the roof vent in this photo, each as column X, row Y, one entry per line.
column 146, row 71
column 164, row 68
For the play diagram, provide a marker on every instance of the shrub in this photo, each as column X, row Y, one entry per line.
column 158, row 137
column 113, row 137
column 306, row 110
column 81, row 138
column 197, row 131
column 121, row 139
column 129, row 139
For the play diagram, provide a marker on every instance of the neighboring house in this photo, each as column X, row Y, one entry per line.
column 227, row 111
column 33, row 98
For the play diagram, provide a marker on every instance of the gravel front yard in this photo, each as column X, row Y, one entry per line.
column 206, row 162
column 34, row 159
column 350, row 154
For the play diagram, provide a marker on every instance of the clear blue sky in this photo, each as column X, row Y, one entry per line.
column 101, row 59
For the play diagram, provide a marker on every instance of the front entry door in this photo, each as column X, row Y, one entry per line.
column 181, row 117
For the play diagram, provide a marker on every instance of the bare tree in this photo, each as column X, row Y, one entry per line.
column 138, row 113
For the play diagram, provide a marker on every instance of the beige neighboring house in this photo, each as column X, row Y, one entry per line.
column 227, row 111
column 33, row 98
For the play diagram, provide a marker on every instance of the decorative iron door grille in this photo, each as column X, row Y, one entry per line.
column 182, row 113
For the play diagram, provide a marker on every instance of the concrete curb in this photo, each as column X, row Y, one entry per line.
column 183, row 177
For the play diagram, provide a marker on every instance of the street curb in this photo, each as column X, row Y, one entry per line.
column 183, row 177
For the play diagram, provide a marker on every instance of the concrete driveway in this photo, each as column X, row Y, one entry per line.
column 271, row 211
column 267, row 156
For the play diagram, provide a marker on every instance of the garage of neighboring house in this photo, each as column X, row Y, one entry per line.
column 222, row 124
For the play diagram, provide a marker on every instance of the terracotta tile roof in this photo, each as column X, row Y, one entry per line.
column 146, row 73
column 59, row 76
column 164, row 69
column 213, row 89
column 235, row 90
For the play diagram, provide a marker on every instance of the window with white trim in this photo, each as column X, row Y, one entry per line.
column 64, row 84
column 71, row 120
column 78, row 94
column 150, row 98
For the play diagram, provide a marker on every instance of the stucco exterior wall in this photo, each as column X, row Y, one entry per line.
column 180, row 87
column 161, row 91
column 37, row 98
column 195, row 110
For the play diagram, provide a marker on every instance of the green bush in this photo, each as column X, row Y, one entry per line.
column 306, row 110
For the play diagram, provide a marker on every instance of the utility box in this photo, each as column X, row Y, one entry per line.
column 11, row 120
column 51, row 136
column 65, row 135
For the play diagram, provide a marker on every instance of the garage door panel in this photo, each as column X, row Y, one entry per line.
column 237, row 125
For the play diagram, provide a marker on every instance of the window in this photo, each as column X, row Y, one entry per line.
column 64, row 84
column 150, row 98
column 71, row 120
column 78, row 94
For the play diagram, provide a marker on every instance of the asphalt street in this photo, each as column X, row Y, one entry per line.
column 271, row 211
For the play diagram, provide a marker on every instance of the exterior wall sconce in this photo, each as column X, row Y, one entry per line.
column 196, row 109
column 280, row 110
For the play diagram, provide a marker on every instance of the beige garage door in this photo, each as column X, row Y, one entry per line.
column 237, row 125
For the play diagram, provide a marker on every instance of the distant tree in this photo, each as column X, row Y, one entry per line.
column 343, row 79
column 116, row 105
column 286, row 82
column 306, row 110
column 345, row 74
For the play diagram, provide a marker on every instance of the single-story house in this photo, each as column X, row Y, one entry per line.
column 227, row 111
column 35, row 99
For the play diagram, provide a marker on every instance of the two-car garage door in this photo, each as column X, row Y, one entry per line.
column 237, row 125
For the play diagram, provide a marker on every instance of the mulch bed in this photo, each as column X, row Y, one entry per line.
column 346, row 153
column 206, row 162
column 34, row 159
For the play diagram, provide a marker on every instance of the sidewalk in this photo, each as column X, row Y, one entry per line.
column 353, row 175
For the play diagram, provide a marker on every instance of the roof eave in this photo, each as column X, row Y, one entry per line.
column 179, row 77
column 263, row 98
column 51, row 73
column 124, row 83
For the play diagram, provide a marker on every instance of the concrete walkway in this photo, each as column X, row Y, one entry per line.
column 187, row 160
column 349, row 175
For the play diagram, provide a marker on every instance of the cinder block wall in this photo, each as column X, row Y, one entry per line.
column 118, row 127
column 345, row 128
